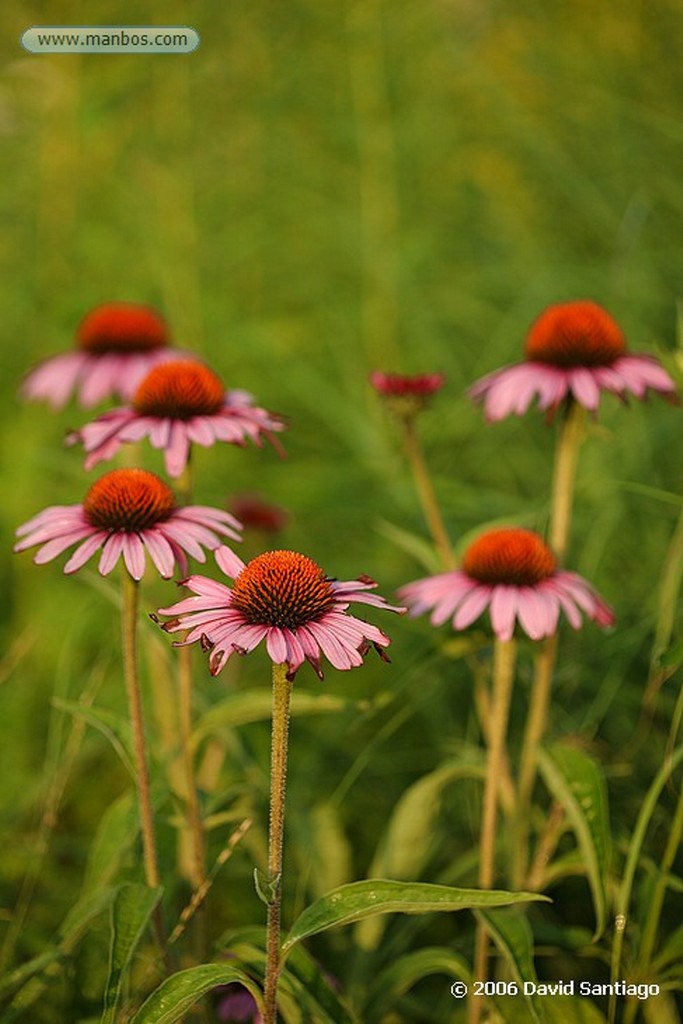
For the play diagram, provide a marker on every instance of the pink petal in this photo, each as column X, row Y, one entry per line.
column 230, row 563
column 160, row 551
column 585, row 388
column 276, row 645
column 85, row 551
column 59, row 544
column 113, row 547
column 177, row 450
column 503, row 608
column 134, row 555
column 472, row 605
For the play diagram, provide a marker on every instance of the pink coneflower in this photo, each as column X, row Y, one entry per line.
column 285, row 599
column 406, row 396
column 514, row 574
column 178, row 403
column 128, row 511
column 573, row 349
column 116, row 345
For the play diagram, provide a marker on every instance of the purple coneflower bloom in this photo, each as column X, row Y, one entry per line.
column 405, row 395
column 573, row 349
column 116, row 345
column 285, row 599
column 514, row 574
column 178, row 403
column 128, row 512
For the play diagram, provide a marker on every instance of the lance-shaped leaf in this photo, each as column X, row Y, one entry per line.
column 576, row 781
column 405, row 972
column 358, row 900
column 511, row 933
column 175, row 996
column 130, row 913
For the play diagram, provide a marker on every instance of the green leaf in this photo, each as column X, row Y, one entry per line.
column 673, row 656
column 18, row 977
column 247, row 706
column 512, row 935
column 409, row 836
column 419, row 547
column 48, row 965
column 181, row 991
column 405, row 972
column 329, row 851
column 358, row 900
column 577, row 782
column 116, row 833
column 114, row 727
column 130, row 913
column 671, row 951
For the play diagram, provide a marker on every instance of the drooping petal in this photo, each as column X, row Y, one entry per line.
column 113, row 547
column 134, row 555
column 85, row 551
column 503, row 610
column 230, row 563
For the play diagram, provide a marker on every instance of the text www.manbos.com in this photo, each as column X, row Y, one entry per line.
column 110, row 39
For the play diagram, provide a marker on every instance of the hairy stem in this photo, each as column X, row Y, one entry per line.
column 282, row 689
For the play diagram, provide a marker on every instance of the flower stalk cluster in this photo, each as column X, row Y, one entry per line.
column 574, row 353
column 280, row 597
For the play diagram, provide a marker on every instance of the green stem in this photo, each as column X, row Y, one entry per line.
column 561, row 503
column 564, row 477
column 650, row 930
column 425, row 491
column 282, row 690
column 194, row 814
column 504, row 658
column 129, row 621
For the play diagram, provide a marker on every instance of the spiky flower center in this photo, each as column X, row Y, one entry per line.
column 282, row 588
column 574, row 334
column 128, row 499
column 512, row 556
column 121, row 327
column 179, row 389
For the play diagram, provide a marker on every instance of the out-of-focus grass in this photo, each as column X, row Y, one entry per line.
column 318, row 191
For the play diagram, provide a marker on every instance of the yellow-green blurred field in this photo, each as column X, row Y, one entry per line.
column 324, row 188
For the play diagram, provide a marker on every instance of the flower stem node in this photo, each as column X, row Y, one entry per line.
column 266, row 889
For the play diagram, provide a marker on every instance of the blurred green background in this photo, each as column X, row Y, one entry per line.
column 320, row 190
